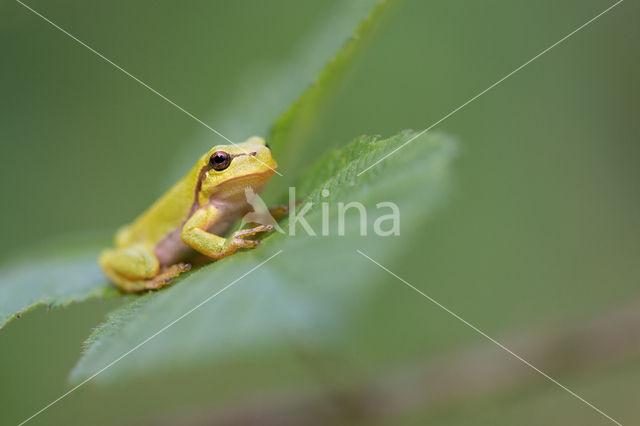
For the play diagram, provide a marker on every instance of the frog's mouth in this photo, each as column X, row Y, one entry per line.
column 236, row 186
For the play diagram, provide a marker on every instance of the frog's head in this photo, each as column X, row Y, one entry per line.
column 229, row 169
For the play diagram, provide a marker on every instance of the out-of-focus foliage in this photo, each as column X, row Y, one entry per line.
column 61, row 273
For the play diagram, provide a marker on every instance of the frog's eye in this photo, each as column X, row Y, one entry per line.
column 219, row 160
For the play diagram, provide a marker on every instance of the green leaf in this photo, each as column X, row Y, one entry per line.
column 293, row 127
column 57, row 274
column 308, row 293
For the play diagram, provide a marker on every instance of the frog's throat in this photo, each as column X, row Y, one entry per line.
column 256, row 180
column 262, row 177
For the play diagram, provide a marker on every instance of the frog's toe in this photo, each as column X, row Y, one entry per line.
column 242, row 243
column 167, row 274
column 243, row 233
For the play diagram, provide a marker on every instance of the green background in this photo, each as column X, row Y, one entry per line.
column 541, row 230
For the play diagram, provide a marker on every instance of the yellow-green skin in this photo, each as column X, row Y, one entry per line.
column 191, row 216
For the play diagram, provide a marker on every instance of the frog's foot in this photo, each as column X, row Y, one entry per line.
column 244, row 233
column 238, row 239
column 135, row 269
column 155, row 283
column 165, row 276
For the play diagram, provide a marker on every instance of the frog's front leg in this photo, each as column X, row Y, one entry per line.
column 194, row 234
column 136, row 268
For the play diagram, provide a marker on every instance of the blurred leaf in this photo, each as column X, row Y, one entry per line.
column 307, row 295
column 57, row 274
column 265, row 92
column 293, row 127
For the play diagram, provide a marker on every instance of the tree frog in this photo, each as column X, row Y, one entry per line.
column 191, row 217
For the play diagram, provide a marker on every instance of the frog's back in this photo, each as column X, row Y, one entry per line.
column 166, row 215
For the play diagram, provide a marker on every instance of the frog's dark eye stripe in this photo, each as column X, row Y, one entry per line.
column 219, row 160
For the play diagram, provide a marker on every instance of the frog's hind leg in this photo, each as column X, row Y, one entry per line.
column 135, row 269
